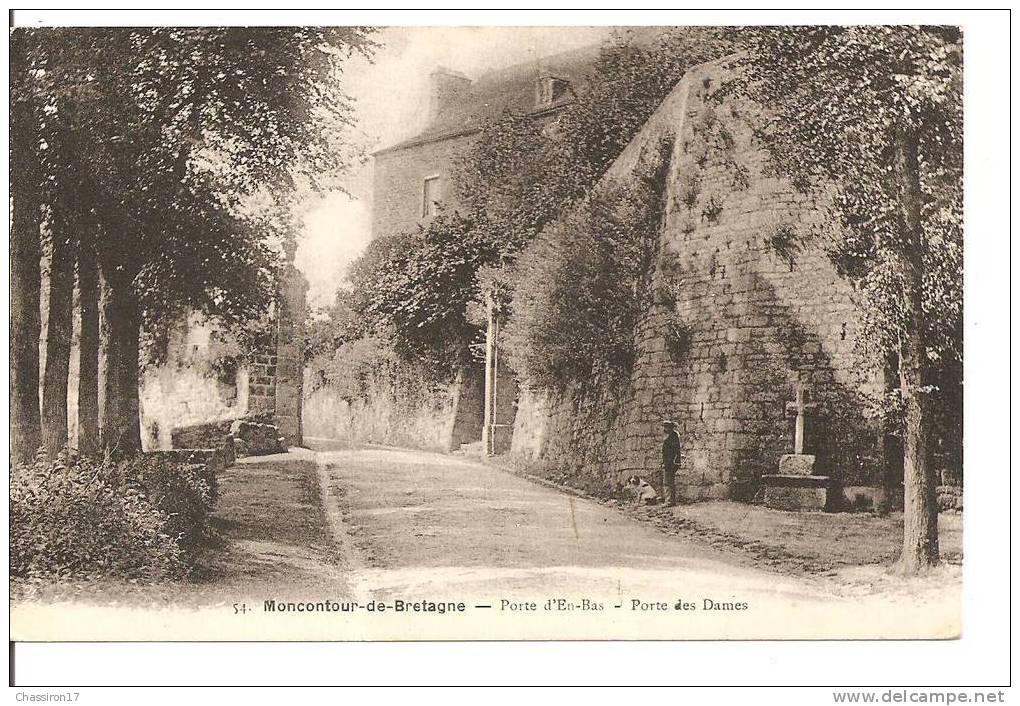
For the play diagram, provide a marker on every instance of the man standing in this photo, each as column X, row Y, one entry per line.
column 670, row 461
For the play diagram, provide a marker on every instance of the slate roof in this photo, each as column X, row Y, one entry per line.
column 510, row 89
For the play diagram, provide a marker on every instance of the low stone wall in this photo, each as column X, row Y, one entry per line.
column 209, row 435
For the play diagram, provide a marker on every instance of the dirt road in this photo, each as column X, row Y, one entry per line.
column 431, row 526
column 356, row 529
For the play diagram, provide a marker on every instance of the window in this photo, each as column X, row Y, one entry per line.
column 432, row 194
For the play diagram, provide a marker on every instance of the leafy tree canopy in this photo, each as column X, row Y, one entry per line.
column 838, row 99
column 173, row 137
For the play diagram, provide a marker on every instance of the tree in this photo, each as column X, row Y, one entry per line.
column 63, row 247
column 877, row 113
column 26, row 185
column 422, row 289
column 176, row 133
column 62, row 194
column 88, row 342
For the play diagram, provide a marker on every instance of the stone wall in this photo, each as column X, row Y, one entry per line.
column 207, row 380
column 453, row 416
column 203, row 380
column 735, row 318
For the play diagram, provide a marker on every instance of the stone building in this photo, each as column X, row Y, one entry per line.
column 414, row 177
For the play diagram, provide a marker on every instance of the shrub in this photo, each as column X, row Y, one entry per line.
column 351, row 369
column 421, row 291
column 177, row 490
column 75, row 518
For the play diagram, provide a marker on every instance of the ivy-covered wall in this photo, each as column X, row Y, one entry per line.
column 742, row 307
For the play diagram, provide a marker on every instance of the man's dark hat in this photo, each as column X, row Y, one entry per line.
column 668, row 423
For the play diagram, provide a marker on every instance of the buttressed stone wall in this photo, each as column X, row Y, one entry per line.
column 739, row 312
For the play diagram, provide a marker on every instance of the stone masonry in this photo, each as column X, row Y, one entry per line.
column 181, row 406
column 740, row 312
column 276, row 371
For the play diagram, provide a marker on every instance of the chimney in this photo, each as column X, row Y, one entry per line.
column 446, row 87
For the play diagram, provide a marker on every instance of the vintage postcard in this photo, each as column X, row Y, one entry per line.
column 486, row 333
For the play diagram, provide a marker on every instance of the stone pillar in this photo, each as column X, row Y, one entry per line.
column 290, row 319
column 262, row 375
column 500, row 391
column 276, row 371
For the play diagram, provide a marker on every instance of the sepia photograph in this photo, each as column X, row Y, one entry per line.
column 406, row 333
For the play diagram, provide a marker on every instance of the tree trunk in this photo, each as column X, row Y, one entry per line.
column 58, row 333
column 892, row 443
column 25, row 284
column 920, row 511
column 88, row 346
column 120, row 433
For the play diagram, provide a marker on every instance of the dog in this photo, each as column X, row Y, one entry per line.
column 642, row 490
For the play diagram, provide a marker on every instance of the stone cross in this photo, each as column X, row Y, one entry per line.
column 801, row 407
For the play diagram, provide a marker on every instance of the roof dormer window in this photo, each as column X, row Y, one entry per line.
column 550, row 90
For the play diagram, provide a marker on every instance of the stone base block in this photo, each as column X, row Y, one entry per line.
column 256, row 438
column 796, row 493
column 208, row 435
column 796, row 464
column 476, row 449
column 690, row 493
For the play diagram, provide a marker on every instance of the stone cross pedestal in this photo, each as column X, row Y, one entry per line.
column 796, row 487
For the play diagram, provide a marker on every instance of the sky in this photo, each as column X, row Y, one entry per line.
column 391, row 102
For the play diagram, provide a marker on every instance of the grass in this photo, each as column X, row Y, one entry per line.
column 792, row 542
column 800, row 542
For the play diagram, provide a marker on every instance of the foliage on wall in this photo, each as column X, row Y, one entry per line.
column 581, row 284
column 426, row 289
